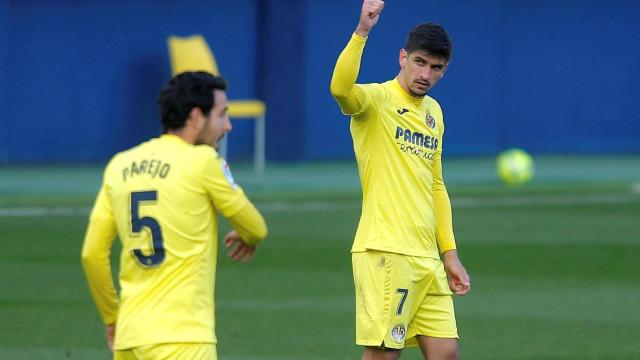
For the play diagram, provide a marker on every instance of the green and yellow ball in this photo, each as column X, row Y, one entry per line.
column 515, row 167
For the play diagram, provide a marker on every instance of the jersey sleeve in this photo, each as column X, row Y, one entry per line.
column 351, row 97
column 249, row 224
column 231, row 201
column 444, row 219
column 96, row 257
column 227, row 197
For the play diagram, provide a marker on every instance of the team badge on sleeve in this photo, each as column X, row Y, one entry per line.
column 430, row 121
column 227, row 174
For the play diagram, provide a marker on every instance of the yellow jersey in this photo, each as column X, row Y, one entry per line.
column 397, row 140
column 161, row 197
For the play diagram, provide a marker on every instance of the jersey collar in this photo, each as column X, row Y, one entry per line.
column 398, row 89
column 173, row 138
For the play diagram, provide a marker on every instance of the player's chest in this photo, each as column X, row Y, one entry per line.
column 408, row 121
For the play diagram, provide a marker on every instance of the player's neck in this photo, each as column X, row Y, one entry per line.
column 185, row 134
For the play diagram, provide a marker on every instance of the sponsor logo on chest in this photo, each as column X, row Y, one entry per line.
column 415, row 132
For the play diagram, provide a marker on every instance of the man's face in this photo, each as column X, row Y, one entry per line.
column 217, row 124
column 420, row 71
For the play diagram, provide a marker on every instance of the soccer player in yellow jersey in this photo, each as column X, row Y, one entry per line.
column 161, row 199
column 403, row 297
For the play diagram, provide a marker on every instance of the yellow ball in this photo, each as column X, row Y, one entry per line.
column 515, row 167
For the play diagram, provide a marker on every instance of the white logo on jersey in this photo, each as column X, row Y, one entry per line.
column 227, row 174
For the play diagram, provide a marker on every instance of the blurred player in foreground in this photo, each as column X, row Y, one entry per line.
column 161, row 199
column 402, row 294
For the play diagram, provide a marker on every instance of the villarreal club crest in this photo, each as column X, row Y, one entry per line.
column 430, row 121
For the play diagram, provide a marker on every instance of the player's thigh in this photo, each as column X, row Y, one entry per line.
column 438, row 348
column 191, row 351
column 435, row 315
column 371, row 280
column 385, row 293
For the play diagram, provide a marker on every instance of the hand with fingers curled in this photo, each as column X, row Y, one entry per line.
column 459, row 280
column 239, row 250
column 369, row 16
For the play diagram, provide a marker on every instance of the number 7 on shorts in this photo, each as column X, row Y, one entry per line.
column 404, row 293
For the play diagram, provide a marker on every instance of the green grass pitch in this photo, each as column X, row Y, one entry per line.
column 555, row 264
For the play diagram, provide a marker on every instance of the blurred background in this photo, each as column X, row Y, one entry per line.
column 554, row 262
column 80, row 78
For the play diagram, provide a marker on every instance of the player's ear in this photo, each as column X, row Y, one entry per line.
column 402, row 58
column 196, row 118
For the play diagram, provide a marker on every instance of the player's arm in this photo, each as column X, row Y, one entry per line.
column 444, row 220
column 459, row 280
column 96, row 253
column 249, row 224
column 249, row 230
column 229, row 199
column 350, row 97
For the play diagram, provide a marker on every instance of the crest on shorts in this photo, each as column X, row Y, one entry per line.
column 430, row 121
column 399, row 332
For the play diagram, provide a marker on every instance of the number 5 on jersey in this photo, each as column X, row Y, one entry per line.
column 138, row 224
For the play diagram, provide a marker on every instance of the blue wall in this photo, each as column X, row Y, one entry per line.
column 280, row 60
column 468, row 93
column 548, row 76
column 83, row 77
column 570, row 76
column 79, row 79
column 4, row 37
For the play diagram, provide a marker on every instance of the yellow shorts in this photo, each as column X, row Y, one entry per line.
column 399, row 297
column 195, row 351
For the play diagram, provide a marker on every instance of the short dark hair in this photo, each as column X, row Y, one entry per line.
column 184, row 92
column 431, row 38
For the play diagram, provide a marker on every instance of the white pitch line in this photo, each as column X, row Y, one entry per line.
column 543, row 200
column 466, row 202
column 318, row 206
column 38, row 211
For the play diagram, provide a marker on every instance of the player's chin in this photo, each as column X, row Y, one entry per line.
column 420, row 91
column 214, row 143
column 217, row 141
